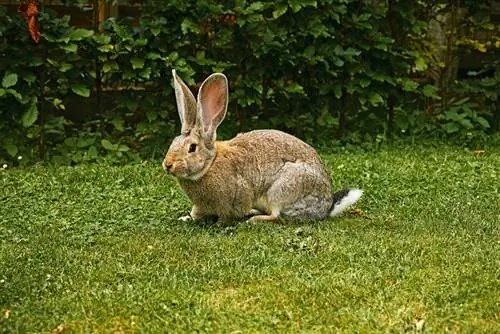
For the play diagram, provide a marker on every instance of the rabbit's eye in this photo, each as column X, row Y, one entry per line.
column 192, row 148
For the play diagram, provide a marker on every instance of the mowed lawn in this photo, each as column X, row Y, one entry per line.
column 100, row 249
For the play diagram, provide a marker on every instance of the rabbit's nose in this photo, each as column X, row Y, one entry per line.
column 167, row 164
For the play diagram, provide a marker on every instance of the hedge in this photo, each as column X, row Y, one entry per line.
column 331, row 71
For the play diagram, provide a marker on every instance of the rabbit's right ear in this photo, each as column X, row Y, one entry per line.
column 212, row 103
column 186, row 104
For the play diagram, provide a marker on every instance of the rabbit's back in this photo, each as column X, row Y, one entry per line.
column 267, row 151
column 271, row 144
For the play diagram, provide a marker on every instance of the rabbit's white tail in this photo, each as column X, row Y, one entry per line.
column 343, row 199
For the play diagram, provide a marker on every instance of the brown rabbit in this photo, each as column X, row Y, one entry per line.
column 262, row 174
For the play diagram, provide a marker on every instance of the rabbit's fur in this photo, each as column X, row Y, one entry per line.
column 263, row 174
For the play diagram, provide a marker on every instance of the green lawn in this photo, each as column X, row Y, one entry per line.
column 100, row 249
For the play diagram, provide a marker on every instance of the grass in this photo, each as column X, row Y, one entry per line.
column 99, row 249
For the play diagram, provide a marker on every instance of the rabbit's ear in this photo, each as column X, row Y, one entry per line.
column 212, row 103
column 186, row 104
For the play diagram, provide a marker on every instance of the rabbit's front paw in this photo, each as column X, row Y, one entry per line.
column 196, row 213
column 185, row 218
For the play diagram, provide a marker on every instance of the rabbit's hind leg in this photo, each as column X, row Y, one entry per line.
column 302, row 192
column 261, row 217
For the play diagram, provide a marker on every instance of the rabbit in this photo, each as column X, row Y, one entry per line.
column 261, row 175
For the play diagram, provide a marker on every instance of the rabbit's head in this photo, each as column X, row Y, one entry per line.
column 192, row 152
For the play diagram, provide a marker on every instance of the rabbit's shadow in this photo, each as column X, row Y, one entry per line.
column 215, row 225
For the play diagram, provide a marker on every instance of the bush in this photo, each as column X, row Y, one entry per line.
column 328, row 70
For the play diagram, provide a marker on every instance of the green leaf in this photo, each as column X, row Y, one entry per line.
column 461, row 101
column 106, row 68
column 71, row 142
column 92, row 152
column 58, row 103
column 483, row 122
column 430, row 91
column 339, row 62
column 189, row 26
column 466, row 123
column 118, row 123
column 131, row 104
column 295, row 88
column 491, row 95
column 108, row 145
column 141, row 42
column 81, row 89
column 106, row 48
column 145, row 73
column 85, row 142
column 155, row 31
column 451, row 127
column 13, row 93
column 311, row 3
column 123, row 148
column 79, row 34
column 29, row 79
column 9, row 80
column 375, row 99
column 53, row 62
column 151, row 115
column 381, row 46
column 256, row 6
column 10, row 147
column 35, row 62
column 337, row 90
column 102, row 38
column 173, row 56
column 379, row 76
column 402, row 123
column 453, row 115
column 30, row 116
column 110, row 66
column 295, row 5
column 153, row 55
column 65, row 67
column 409, row 85
column 420, row 64
column 309, row 51
column 364, row 83
column 350, row 52
column 281, row 10
column 120, row 31
column 137, row 62
column 72, row 47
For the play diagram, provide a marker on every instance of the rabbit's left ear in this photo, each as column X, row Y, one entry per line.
column 212, row 103
column 186, row 104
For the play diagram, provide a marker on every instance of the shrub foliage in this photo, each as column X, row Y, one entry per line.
column 326, row 70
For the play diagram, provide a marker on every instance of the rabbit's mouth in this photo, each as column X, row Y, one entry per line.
column 168, row 165
column 174, row 166
column 180, row 171
column 174, row 169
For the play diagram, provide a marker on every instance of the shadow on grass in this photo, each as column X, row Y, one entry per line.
column 214, row 225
